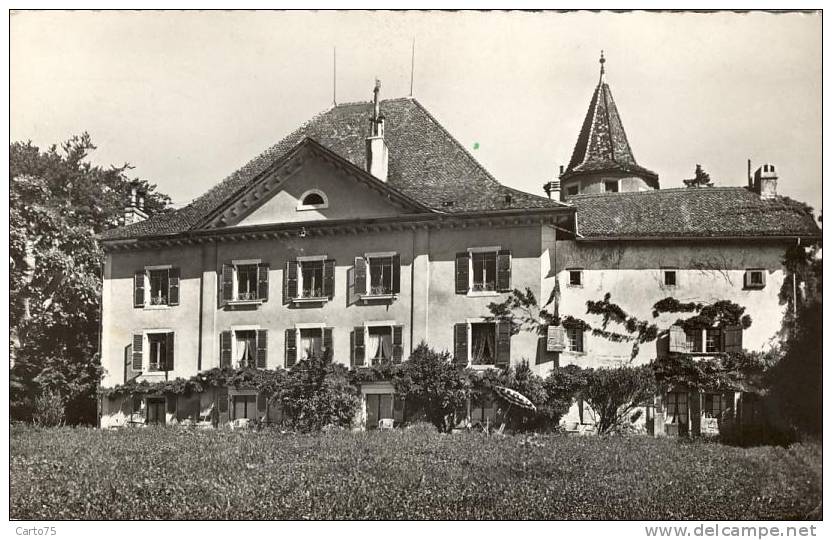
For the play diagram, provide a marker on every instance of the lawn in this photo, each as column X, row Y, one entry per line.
column 159, row 473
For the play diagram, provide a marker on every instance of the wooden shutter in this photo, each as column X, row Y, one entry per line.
column 503, row 343
column 138, row 289
column 329, row 278
column 263, row 282
column 397, row 273
column 291, row 280
column 360, row 275
column 678, row 341
column 291, row 347
column 504, row 270
column 555, row 339
column 225, row 348
column 173, row 286
column 462, row 273
column 461, row 344
column 138, row 345
column 397, row 343
column 357, row 346
column 732, row 339
column 227, row 283
column 169, row 351
column 262, row 347
column 222, row 400
column 327, row 342
column 262, row 402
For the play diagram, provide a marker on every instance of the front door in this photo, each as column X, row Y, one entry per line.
column 156, row 411
column 378, row 406
column 245, row 406
column 676, row 418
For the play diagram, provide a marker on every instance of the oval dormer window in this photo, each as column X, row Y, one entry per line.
column 313, row 199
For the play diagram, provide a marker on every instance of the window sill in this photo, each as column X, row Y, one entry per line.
column 371, row 297
column 157, row 306
column 310, row 300
column 483, row 367
column 244, row 302
column 571, row 286
column 574, row 353
column 754, row 287
column 474, row 294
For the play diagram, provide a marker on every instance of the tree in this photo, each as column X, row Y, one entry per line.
column 700, row 179
column 58, row 204
column 432, row 383
column 614, row 394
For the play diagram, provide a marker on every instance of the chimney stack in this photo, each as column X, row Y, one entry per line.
column 765, row 182
column 377, row 156
column 134, row 212
column 552, row 189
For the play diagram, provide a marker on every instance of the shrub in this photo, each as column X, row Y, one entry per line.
column 562, row 387
column 432, row 384
column 317, row 393
column 522, row 379
column 49, row 409
column 614, row 394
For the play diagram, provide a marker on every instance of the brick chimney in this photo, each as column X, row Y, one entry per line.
column 377, row 156
column 134, row 211
column 765, row 182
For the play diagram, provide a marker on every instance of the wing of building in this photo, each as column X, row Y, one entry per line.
column 370, row 229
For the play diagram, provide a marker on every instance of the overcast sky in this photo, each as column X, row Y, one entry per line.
column 188, row 97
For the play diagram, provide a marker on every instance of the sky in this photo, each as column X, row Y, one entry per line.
column 189, row 97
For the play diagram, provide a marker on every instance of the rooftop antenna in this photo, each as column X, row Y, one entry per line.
column 412, row 64
column 334, row 103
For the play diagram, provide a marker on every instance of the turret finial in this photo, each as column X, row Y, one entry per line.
column 602, row 61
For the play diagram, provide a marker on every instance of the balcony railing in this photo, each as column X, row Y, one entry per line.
column 247, row 295
column 158, row 301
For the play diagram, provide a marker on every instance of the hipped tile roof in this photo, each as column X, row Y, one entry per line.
column 425, row 163
column 691, row 213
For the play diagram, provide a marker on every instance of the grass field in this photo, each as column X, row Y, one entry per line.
column 159, row 473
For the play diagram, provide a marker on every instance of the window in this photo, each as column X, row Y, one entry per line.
column 484, row 274
column 312, row 200
column 484, row 270
column 713, row 341
column 157, row 352
column 156, row 286
column 245, row 282
column 243, row 348
column 377, row 342
column 677, row 408
column 755, row 279
column 306, row 341
column 571, row 190
column 483, row 344
column 480, row 343
column 611, row 186
column 714, row 405
column 575, row 278
column 669, row 278
column 693, row 340
column 575, row 337
column 309, row 279
column 377, row 275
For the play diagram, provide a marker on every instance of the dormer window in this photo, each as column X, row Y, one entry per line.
column 314, row 199
column 611, row 186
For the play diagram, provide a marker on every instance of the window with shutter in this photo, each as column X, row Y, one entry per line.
column 291, row 281
column 158, row 351
column 138, row 289
column 262, row 346
column 504, row 270
column 754, row 279
column 138, row 353
column 173, row 286
column 503, row 343
column 462, row 276
column 225, row 349
column 678, row 340
column 555, row 338
column 397, row 271
column 263, row 282
column 732, row 339
column 575, row 337
column 397, row 344
column 328, row 351
column 291, row 347
column 461, row 344
column 227, row 282
column 169, row 349
column 357, row 346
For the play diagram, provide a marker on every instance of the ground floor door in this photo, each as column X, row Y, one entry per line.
column 156, row 411
column 244, row 406
column 676, row 416
column 379, row 406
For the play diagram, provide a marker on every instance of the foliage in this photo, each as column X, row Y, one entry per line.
column 738, row 371
column 72, row 473
column 522, row 379
column 58, row 203
column 522, row 310
column 672, row 305
column 614, row 394
column 431, row 383
column 317, row 393
column 265, row 381
column 49, row 409
column 796, row 380
column 562, row 386
column 700, row 178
